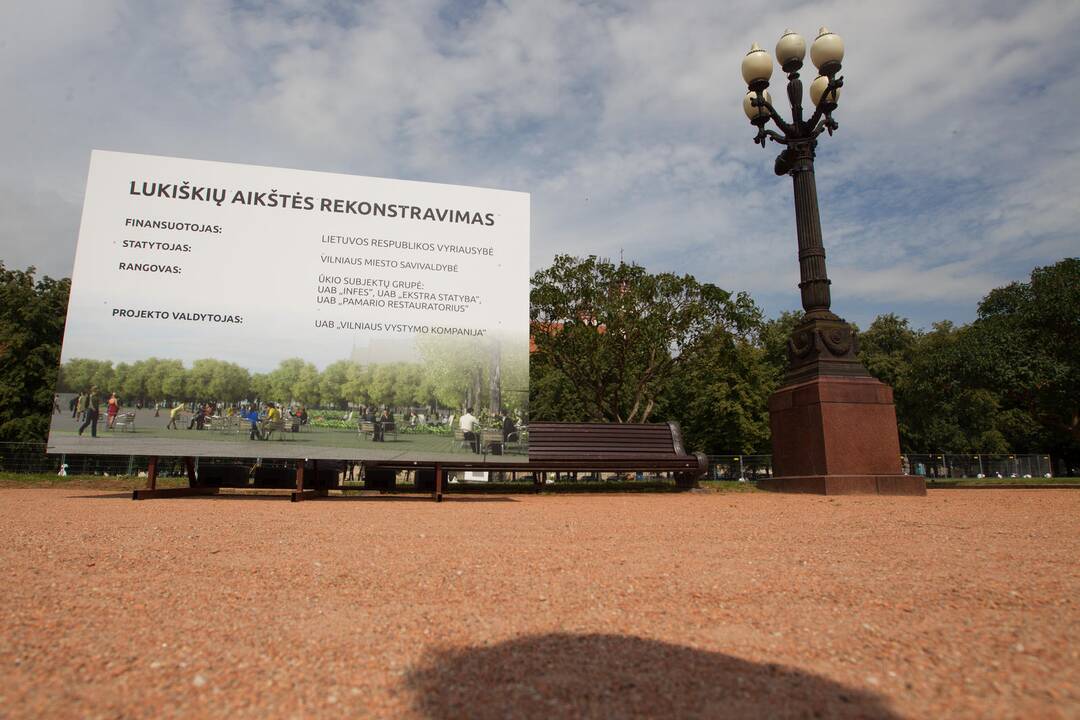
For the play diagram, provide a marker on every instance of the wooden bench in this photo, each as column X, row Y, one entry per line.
column 367, row 429
column 582, row 447
column 614, row 447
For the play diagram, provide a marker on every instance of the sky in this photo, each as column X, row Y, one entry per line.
column 954, row 169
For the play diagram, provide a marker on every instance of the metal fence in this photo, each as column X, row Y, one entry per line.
column 748, row 468
column 31, row 458
column 930, row 465
column 955, row 465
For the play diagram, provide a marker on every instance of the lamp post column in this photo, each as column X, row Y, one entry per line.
column 833, row 426
column 814, row 280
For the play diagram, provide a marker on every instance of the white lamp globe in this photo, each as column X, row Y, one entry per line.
column 817, row 89
column 827, row 51
column 790, row 49
column 751, row 111
column 756, row 66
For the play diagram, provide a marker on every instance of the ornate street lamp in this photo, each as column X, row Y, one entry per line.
column 833, row 426
column 823, row 344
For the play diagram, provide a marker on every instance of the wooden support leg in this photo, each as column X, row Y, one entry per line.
column 318, row 487
column 298, row 495
column 151, row 490
column 438, row 482
column 151, row 481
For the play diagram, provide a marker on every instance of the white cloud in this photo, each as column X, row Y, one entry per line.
column 955, row 161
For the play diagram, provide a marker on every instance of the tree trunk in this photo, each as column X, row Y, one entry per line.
column 477, row 384
column 495, row 377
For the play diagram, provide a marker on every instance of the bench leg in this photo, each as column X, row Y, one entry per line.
column 437, row 495
column 189, row 465
column 298, row 495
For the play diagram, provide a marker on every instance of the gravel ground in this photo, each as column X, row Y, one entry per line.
column 694, row 605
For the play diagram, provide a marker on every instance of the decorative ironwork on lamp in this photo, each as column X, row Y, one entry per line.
column 822, row 343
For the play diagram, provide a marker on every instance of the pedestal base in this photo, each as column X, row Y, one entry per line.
column 847, row 484
column 837, row 435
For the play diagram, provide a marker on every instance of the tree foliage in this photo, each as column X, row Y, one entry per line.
column 617, row 343
column 32, row 315
column 617, row 333
column 1005, row 383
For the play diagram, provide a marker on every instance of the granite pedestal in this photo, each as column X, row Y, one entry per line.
column 837, row 436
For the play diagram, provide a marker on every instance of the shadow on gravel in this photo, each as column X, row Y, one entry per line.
column 617, row 676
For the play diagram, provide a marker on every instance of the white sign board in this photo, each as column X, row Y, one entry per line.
column 331, row 299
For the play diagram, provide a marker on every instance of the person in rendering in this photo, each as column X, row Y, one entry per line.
column 174, row 415
column 92, row 405
column 252, row 416
column 80, row 407
column 377, row 429
column 468, row 424
column 114, row 409
column 273, row 417
column 508, row 427
column 382, row 424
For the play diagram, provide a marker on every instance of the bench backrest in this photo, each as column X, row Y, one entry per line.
column 650, row 441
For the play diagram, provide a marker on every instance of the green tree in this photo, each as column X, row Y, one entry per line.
column 939, row 408
column 172, row 379
column 1025, row 347
column 332, row 384
column 306, row 388
column 357, row 385
column 31, row 325
column 261, row 387
column 618, row 333
column 211, row 379
column 79, row 374
column 721, row 397
column 294, row 379
column 886, row 348
column 455, row 370
column 552, row 395
column 773, row 338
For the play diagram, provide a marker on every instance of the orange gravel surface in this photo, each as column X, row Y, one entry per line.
column 959, row 604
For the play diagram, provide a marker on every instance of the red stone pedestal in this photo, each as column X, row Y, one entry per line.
column 837, row 436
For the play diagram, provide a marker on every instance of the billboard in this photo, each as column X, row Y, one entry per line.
column 232, row 310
